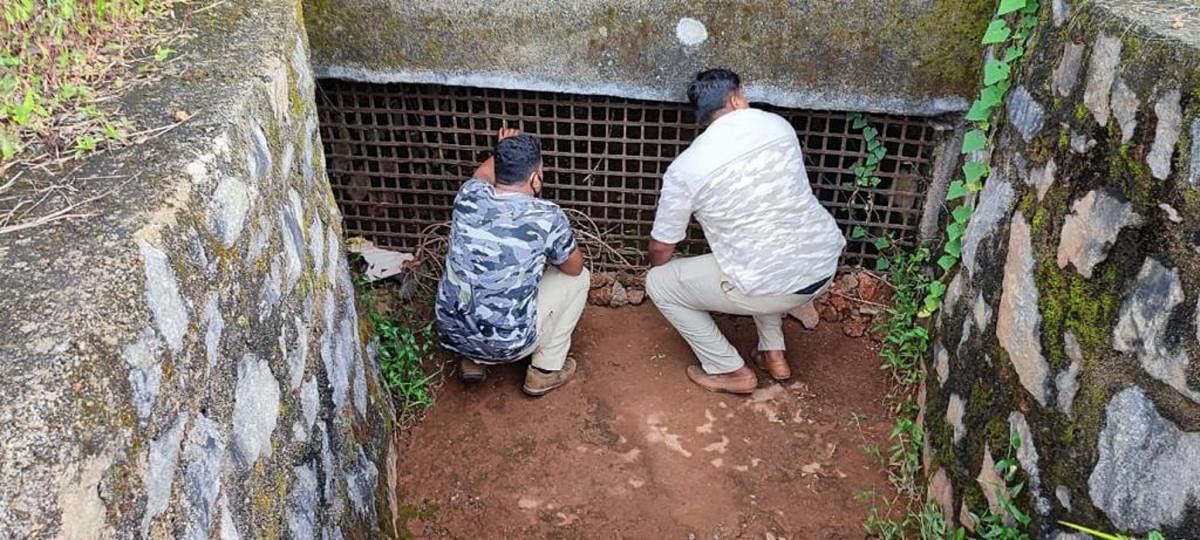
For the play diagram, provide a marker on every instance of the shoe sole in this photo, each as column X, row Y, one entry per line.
column 472, row 379
column 543, row 391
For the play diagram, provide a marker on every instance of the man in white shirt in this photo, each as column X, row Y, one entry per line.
column 774, row 247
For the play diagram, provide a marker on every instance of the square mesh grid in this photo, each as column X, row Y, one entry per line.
column 397, row 154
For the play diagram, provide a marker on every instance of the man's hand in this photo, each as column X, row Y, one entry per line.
column 660, row 252
column 487, row 170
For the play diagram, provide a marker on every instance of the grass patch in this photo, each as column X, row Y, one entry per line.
column 60, row 61
column 409, row 361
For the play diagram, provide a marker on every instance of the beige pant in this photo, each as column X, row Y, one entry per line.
column 687, row 289
column 560, row 302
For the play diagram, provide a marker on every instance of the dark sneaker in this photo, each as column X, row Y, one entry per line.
column 778, row 369
column 740, row 381
column 471, row 372
column 538, row 383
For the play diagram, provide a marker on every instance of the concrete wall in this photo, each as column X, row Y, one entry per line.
column 1074, row 319
column 188, row 361
column 906, row 56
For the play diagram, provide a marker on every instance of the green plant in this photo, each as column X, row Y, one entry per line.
column 997, row 72
column 402, row 351
column 405, row 348
column 59, row 60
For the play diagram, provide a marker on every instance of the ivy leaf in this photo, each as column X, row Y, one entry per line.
column 955, row 231
column 857, row 232
column 980, row 110
column 995, row 71
column 870, row 133
column 997, row 32
column 992, row 94
column 974, row 141
column 857, row 121
column 962, row 214
column 931, row 305
column 875, row 181
column 936, row 289
column 953, row 248
column 1013, row 53
column 974, row 171
column 882, row 264
column 957, row 190
column 946, row 262
column 1009, row 6
column 882, row 243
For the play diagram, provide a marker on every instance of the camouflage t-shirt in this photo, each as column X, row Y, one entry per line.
column 500, row 244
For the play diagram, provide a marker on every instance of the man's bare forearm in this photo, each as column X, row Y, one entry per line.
column 660, row 252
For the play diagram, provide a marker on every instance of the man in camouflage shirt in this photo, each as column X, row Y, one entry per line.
column 774, row 248
column 515, row 284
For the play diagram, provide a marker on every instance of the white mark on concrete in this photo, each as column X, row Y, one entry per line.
column 255, row 410
column 228, row 209
column 690, row 32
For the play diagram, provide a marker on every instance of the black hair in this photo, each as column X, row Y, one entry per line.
column 709, row 90
column 516, row 158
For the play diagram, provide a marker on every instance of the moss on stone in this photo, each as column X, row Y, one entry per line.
column 1068, row 301
column 1127, row 168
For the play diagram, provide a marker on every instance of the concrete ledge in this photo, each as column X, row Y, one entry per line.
column 908, row 57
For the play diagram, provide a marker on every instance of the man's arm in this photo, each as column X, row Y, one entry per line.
column 660, row 252
column 573, row 266
column 487, row 169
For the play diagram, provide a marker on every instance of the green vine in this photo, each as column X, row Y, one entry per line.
column 997, row 73
column 865, row 177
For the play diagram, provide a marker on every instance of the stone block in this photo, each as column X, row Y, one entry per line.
column 1166, row 134
column 1066, row 75
column 1025, row 114
column 1141, row 328
column 1125, row 107
column 1148, row 470
column 995, row 201
column 1106, row 57
column 1091, row 229
column 1018, row 321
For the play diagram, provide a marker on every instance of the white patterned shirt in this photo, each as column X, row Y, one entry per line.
column 744, row 180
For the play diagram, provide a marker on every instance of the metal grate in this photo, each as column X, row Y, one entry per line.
column 397, row 153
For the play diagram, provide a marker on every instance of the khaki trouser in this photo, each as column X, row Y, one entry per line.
column 560, row 302
column 687, row 289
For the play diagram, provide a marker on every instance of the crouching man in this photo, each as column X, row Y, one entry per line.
column 774, row 248
column 514, row 284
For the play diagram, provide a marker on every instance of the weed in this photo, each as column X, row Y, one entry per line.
column 59, row 58
column 402, row 351
column 405, row 348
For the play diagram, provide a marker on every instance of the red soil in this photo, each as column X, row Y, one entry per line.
column 632, row 449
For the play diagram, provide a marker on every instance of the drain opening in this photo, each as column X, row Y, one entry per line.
column 397, row 153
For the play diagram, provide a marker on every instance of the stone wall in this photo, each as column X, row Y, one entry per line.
column 1074, row 318
column 906, row 56
column 187, row 360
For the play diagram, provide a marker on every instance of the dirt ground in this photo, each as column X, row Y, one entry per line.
column 632, row 449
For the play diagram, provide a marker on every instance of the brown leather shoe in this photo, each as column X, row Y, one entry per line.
column 539, row 383
column 778, row 369
column 741, row 381
column 471, row 372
